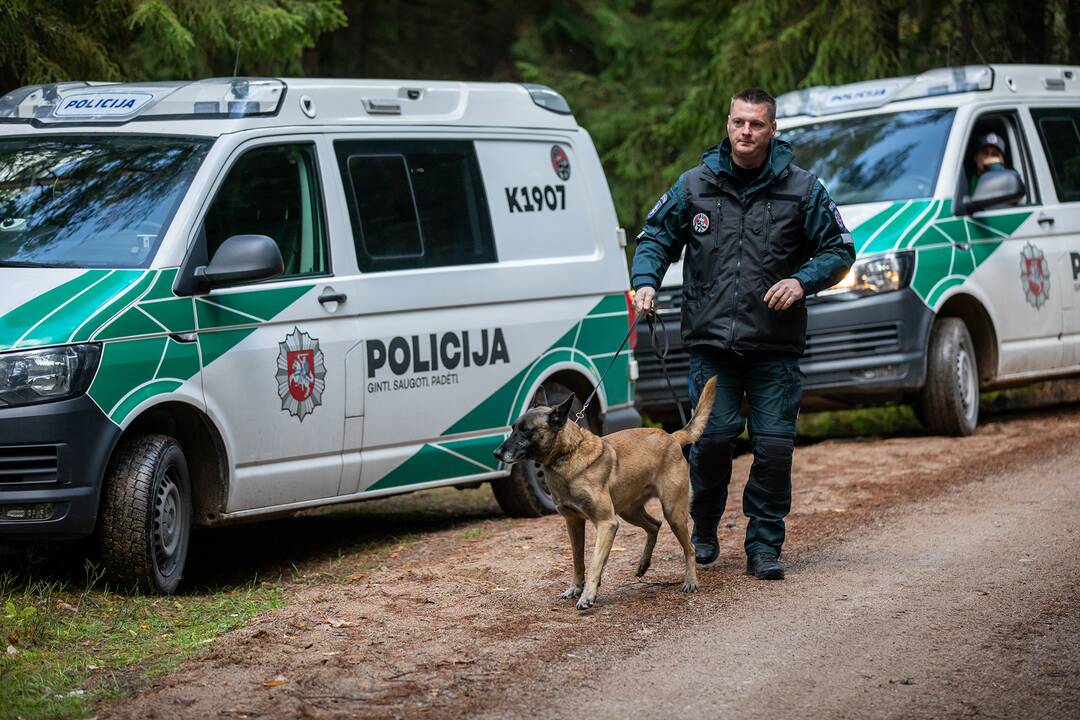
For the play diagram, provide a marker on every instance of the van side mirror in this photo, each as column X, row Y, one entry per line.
column 241, row 259
column 995, row 187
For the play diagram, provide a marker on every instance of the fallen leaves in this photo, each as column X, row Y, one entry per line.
column 276, row 682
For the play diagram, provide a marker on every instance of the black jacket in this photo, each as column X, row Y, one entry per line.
column 740, row 241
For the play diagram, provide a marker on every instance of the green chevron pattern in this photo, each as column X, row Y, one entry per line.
column 589, row 343
column 136, row 311
column 929, row 227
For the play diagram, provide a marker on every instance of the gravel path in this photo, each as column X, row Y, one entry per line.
column 963, row 606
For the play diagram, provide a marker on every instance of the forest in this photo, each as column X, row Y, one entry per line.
column 649, row 80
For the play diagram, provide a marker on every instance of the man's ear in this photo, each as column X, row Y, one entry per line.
column 561, row 412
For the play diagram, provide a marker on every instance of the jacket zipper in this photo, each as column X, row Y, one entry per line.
column 768, row 223
column 738, row 269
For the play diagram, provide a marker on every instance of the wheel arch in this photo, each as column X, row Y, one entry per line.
column 579, row 382
column 980, row 325
column 203, row 447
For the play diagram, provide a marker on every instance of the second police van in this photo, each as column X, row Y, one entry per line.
column 239, row 297
column 956, row 288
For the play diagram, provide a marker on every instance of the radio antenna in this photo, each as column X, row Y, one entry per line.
column 236, row 64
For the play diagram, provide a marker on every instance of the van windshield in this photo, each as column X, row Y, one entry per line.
column 81, row 201
column 875, row 158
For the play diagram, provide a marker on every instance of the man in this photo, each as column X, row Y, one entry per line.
column 760, row 234
column 990, row 155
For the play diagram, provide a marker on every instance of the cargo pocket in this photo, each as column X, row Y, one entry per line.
column 792, row 392
column 695, row 305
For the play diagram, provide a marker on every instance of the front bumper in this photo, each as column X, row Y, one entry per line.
column 53, row 453
column 857, row 351
column 873, row 347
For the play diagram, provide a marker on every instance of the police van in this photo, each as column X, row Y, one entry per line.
column 963, row 282
column 246, row 296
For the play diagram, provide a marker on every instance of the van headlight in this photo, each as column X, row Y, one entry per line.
column 878, row 274
column 35, row 376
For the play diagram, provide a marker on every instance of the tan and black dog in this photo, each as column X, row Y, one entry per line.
column 602, row 478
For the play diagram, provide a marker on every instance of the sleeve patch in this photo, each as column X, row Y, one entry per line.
column 836, row 214
column 659, row 204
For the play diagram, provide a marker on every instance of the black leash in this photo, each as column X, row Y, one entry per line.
column 633, row 326
column 651, row 318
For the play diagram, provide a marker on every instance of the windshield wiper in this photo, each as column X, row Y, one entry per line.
column 20, row 263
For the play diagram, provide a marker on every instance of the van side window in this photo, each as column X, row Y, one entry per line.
column 1005, row 125
column 274, row 191
column 415, row 203
column 1059, row 130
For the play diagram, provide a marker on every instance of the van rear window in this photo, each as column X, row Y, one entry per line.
column 93, row 201
column 1059, row 130
column 415, row 203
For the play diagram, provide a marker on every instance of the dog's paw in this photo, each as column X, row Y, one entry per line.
column 585, row 603
column 571, row 592
column 689, row 587
column 642, row 568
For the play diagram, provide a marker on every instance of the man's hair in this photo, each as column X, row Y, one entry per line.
column 757, row 96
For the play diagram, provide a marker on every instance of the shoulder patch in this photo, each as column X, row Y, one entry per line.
column 656, row 208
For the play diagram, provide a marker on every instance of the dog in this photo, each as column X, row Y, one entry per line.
column 601, row 479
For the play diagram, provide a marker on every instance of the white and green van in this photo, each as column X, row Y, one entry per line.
column 955, row 288
column 242, row 296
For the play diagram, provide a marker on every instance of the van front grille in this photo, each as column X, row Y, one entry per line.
column 22, row 464
column 852, row 342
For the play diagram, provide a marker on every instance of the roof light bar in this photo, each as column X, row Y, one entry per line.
column 827, row 100
column 122, row 102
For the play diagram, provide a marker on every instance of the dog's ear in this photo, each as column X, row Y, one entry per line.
column 561, row 412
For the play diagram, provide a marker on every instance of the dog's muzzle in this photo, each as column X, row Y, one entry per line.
column 504, row 453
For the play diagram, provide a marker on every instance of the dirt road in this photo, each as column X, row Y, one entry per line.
column 928, row 577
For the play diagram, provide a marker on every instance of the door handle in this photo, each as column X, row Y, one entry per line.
column 332, row 297
column 1044, row 218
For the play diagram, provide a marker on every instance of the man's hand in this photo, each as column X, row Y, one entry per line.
column 784, row 294
column 645, row 299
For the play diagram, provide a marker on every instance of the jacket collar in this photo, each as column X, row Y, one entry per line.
column 718, row 160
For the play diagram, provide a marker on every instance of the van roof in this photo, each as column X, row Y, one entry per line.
column 218, row 105
column 1049, row 81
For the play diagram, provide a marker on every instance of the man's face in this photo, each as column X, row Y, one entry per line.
column 987, row 155
column 750, row 130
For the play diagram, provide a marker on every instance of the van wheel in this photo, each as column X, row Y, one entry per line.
column 525, row 493
column 146, row 514
column 950, row 399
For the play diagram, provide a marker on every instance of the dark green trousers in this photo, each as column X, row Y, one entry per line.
column 772, row 386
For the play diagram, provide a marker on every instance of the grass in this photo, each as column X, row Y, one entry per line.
column 75, row 642
column 887, row 420
column 70, row 644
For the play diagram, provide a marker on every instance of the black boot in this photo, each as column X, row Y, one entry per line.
column 706, row 544
column 710, row 473
column 764, row 567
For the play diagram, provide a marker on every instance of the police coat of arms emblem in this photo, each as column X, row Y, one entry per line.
column 301, row 374
column 1035, row 276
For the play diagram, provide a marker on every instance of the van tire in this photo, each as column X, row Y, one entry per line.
column 949, row 404
column 145, row 514
column 524, row 494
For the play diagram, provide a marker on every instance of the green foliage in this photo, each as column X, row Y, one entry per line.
column 157, row 39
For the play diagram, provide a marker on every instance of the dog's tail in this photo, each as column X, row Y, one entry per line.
column 696, row 426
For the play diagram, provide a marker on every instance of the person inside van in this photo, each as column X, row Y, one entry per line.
column 989, row 155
